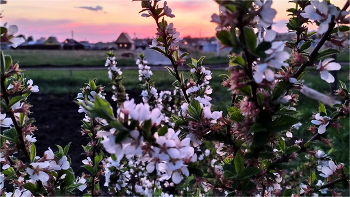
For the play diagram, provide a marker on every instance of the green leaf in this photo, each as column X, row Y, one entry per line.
column 170, row 70
column 10, row 134
column 32, row 152
column 263, row 46
column 145, row 4
column 16, row 99
column 322, row 108
column 246, row 90
column 2, row 63
column 92, row 84
column 236, row 60
column 343, row 85
column 162, row 131
column 3, row 105
column 229, row 175
column 281, row 144
column 305, row 45
column 229, row 167
column 282, row 123
column 159, row 50
column 234, row 40
column 196, row 171
column 195, row 110
column 266, row 155
column 279, row 89
column 312, row 177
column 342, row 28
column 120, row 136
column 239, row 163
column 118, row 126
column 9, row 172
column 292, row 149
column 158, row 11
column 98, row 159
column 89, row 168
column 147, row 125
column 231, row 194
column 183, row 55
column 66, row 148
column 227, row 160
column 292, row 24
column 250, row 155
column 224, row 37
column 250, row 38
column 60, row 149
column 68, row 179
column 257, row 127
column 259, row 139
column 8, row 62
column 249, row 172
column 235, row 185
column 288, row 192
column 301, row 75
column 100, row 108
column 31, row 187
column 235, row 114
column 3, row 30
column 326, row 52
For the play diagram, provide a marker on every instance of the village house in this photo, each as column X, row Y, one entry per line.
column 52, row 43
column 125, row 42
column 72, row 44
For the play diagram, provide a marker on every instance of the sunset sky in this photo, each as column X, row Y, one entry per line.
column 104, row 20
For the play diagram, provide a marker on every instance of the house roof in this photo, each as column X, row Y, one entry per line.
column 71, row 42
column 124, row 38
column 52, row 40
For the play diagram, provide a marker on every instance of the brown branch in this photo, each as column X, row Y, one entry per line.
column 177, row 76
column 93, row 155
column 249, row 58
column 319, row 44
column 10, row 113
column 285, row 157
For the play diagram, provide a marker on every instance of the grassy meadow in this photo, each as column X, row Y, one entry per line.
column 93, row 57
column 65, row 57
column 98, row 57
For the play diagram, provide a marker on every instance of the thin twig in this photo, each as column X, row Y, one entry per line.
column 13, row 118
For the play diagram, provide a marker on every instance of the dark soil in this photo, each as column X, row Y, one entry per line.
column 58, row 123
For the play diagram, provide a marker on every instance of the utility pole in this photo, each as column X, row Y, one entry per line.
column 73, row 40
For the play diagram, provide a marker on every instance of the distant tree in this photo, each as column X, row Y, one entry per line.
column 30, row 38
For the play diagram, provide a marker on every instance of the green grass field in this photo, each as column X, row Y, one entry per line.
column 98, row 58
column 64, row 57
column 93, row 58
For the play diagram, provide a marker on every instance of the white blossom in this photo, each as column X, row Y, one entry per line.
column 322, row 121
column 325, row 66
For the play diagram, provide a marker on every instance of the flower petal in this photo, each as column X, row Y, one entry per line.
column 270, row 35
column 150, row 167
column 325, row 75
column 258, row 76
column 269, row 75
column 12, row 29
column 333, row 66
column 177, row 177
column 323, row 27
column 322, row 129
column 316, row 122
column 173, row 153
